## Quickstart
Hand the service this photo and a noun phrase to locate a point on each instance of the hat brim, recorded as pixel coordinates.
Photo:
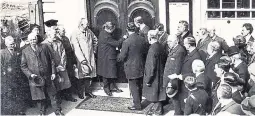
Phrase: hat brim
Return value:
(245, 103)
(38, 81)
(172, 95)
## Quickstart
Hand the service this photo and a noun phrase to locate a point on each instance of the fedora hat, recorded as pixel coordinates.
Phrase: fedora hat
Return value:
(170, 92)
(233, 50)
(38, 81)
(86, 69)
(248, 105)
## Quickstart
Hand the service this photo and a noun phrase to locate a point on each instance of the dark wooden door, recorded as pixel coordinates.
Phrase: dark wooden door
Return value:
(120, 12)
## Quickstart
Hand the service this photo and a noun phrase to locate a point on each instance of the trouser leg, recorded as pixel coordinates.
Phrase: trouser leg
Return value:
(135, 88)
(56, 101)
(107, 83)
(87, 84)
(81, 86)
(158, 108)
(177, 105)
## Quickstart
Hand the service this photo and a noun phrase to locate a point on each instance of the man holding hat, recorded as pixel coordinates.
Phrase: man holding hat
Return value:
(84, 43)
(37, 62)
(133, 53)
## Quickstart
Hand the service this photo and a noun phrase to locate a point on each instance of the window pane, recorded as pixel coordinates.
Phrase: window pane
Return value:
(228, 14)
(253, 14)
(243, 3)
(243, 14)
(253, 3)
(213, 3)
(228, 3)
(213, 14)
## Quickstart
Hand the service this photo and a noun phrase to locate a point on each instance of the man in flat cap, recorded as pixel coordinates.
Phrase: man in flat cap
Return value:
(133, 53)
(107, 57)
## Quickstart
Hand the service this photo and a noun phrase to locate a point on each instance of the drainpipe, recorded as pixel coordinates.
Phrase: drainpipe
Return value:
(41, 18)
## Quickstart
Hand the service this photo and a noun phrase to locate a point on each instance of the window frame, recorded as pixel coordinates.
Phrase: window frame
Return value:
(230, 9)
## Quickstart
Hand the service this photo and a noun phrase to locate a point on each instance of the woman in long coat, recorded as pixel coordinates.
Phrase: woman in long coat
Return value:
(84, 43)
(107, 56)
(153, 78)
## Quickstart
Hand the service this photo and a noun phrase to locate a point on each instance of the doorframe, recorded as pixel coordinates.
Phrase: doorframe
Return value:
(190, 14)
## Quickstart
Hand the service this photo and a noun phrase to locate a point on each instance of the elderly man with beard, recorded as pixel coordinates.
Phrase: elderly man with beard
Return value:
(107, 57)
(84, 43)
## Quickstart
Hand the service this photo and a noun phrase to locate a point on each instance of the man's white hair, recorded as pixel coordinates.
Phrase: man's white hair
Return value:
(172, 37)
(198, 66)
(8, 39)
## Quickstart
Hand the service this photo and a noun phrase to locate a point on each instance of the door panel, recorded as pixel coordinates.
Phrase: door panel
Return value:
(145, 15)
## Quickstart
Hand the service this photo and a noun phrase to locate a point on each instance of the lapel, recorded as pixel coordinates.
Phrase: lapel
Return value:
(32, 52)
(211, 59)
(251, 39)
(227, 106)
(185, 35)
(189, 56)
(202, 43)
(174, 50)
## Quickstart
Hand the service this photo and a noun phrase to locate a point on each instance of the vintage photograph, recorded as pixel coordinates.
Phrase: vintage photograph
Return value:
(127, 57)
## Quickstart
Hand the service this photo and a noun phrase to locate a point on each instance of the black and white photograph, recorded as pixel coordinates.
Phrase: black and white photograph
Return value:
(127, 57)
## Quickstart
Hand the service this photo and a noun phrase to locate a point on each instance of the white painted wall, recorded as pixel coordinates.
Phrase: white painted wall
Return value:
(69, 12)
(162, 12)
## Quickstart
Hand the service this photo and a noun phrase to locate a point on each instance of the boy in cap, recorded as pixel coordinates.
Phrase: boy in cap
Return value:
(197, 100)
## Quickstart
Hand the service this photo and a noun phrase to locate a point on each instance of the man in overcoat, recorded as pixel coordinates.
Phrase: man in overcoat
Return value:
(213, 57)
(13, 94)
(70, 61)
(133, 53)
(247, 30)
(59, 55)
(107, 57)
(143, 28)
(202, 44)
(37, 62)
(84, 43)
(193, 54)
(153, 89)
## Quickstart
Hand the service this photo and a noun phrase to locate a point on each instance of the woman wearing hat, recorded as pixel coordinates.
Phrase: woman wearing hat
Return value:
(107, 57)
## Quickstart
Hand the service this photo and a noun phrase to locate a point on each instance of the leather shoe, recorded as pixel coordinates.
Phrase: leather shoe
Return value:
(59, 113)
(90, 95)
(109, 93)
(81, 96)
(71, 99)
(117, 90)
(134, 108)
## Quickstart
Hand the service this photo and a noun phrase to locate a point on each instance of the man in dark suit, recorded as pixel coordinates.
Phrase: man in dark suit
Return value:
(204, 40)
(247, 30)
(143, 28)
(239, 66)
(133, 53)
(223, 44)
(193, 54)
(174, 63)
(213, 57)
(183, 31)
(153, 75)
(37, 62)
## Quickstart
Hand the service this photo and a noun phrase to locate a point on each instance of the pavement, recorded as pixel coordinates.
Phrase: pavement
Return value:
(68, 108)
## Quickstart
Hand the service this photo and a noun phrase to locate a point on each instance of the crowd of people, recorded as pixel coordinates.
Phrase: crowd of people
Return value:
(205, 77)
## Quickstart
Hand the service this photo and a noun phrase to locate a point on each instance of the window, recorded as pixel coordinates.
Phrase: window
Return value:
(233, 9)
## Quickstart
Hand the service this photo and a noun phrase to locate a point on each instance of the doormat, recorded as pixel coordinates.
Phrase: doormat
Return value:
(116, 104)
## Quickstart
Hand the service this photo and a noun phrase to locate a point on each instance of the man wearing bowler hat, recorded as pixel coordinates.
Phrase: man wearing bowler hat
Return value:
(37, 62)
(239, 66)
